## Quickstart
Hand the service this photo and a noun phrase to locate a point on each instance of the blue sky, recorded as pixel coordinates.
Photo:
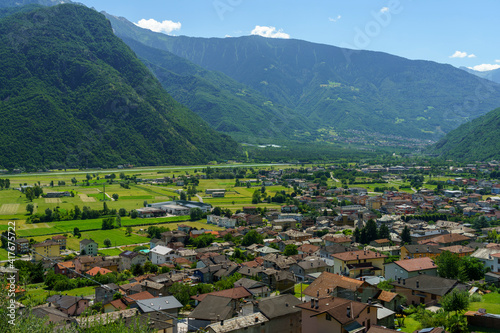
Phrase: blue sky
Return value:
(460, 32)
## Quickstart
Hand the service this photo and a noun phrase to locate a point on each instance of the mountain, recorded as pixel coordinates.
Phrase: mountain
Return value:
(72, 94)
(477, 140)
(227, 105)
(337, 89)
(493, 75)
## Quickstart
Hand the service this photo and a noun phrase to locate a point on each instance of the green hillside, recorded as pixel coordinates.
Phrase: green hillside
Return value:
(72, 94)
(334, 87)
(478, 140)
(226, 104)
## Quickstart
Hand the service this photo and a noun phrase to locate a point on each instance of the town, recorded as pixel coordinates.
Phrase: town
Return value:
(276, 248)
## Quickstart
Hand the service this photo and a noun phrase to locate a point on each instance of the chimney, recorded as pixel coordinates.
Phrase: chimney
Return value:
(358, 299)
(256, 319)
(222, 322)
(317, 293)
(418, 284)
(317, 304)
(370, 300)
(349, 312)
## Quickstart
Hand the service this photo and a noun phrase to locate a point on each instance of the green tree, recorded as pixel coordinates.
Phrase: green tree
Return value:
(30, 193)
(76, 232)
(252, 237)
(405, 235)
(290, 250)
(107, 242)
(183, 195)
(115, 196)
(118, 221)
(471, 269)
(134, 214)
(30, 208)
(456, 300)
(74, 181)
(371, 231)
(122, 211)
(383, 232)
(128, 231)
(195, 214)
(448, 265)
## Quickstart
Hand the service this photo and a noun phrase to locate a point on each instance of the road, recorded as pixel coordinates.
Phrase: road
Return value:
(199, 197)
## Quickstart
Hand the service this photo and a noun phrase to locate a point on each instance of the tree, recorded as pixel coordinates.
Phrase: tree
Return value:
(107, 242)
(128, 231)
(122, 211)
(48, 214)
(30, 194)
(252, 237)
(357, 235)
(118, 221)
(134, 214)
(371, 231)
(448, 265)
(115, 196)
(195, 214)
(137, 270)
(30, 208)
(456, 300)
(383, 232)
(290, 250)
(405, 235)
(183, 195)
(74, 181)
(108, 223)
(76, 232)
(470, 269)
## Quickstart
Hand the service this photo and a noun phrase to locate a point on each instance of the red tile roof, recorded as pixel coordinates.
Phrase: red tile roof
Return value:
(386, 296)
(327, 282)
(100, 270)
(138, 297)
(417, 264)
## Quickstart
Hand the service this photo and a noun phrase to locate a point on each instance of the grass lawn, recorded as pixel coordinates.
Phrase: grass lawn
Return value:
(297, 289)
(411, 325)
(490, 302)
(110, 252)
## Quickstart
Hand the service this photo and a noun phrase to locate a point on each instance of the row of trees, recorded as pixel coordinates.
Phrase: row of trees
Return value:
(370, 232)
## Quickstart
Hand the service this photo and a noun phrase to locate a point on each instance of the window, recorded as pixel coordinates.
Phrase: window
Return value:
(368, 310)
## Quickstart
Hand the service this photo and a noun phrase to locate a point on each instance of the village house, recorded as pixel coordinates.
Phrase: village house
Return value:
(88, 247)
(409, 268)
(420, 251)
(425, 289)
(45, 249)
(337, 315)
(129, 258)
(70, 305)
(359, 263)
(61, 240)
(161, 255)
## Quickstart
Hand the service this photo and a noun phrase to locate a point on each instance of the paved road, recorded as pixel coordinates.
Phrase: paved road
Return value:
(199, 197)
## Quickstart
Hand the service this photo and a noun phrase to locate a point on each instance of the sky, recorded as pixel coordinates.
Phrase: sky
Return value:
(460, 32)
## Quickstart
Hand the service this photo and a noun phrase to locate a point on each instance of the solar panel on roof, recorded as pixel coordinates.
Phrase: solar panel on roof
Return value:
(128, 252)
(426, 330)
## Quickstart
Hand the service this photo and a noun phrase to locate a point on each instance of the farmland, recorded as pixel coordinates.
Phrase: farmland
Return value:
(93, 189)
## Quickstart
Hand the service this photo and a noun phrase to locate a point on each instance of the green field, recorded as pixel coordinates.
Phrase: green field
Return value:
(490, 302)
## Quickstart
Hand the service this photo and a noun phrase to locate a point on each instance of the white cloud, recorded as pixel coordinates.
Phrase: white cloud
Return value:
(498, 60)
(228, 36)
(472, 55)
(485, 67)
(166, 26)
(384, 9)
(459, 54)
(269, 32)
(335, 19)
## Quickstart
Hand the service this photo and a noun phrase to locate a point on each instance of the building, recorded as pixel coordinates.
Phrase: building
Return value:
(61, 240)
(409, 268)
(358, 263)
(282, 312)
(45, 249)
(420, 251)
(161, 255)
(129, 258)
(70, 305)
(251, 323)
(337, 315)
(88, 247)
(168, 305)
(22, 246)
(425, 289)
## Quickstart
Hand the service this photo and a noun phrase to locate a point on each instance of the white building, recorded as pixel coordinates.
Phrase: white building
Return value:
(161, 254)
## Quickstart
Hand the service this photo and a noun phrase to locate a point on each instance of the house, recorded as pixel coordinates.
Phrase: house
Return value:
(213, 309)
(70, 305)
(116, 305)
(161, 254)
(168, 305)
(307, 266)
(61, 240)
(65, 268)
(147, 212)
(235, 293)
(486, 256)
(337, 240)
(410, 267)
(359, 263)
(22, 246)
(98, 270)
(129, 258)
(339, 315)
(45, 249)
(84, 263)
(329, 284)
(282, 312)
(131, 300)
(425, 289)
(54, 316)
(312, 250)
(88, 247)
(251, 323)
(419, 251)
(459, 250)
(154, 288)
(447, 240)
(257, 288)
(380, 242)
(389, 300)
(105, 293)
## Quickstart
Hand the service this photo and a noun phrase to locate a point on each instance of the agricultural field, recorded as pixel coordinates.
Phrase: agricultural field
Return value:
(13, 203)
